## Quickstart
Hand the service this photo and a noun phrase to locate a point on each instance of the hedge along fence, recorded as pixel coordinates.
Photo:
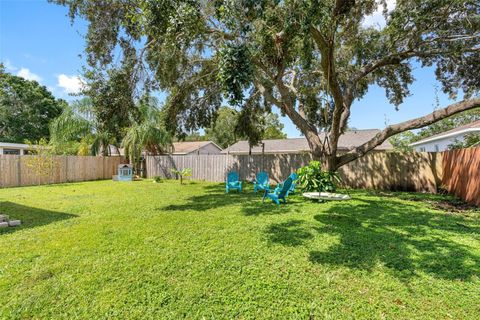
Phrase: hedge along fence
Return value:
(461, 173)
(16, 171)
(376, 170)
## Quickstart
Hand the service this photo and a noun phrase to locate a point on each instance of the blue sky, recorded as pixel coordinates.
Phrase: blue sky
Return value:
(38, 41)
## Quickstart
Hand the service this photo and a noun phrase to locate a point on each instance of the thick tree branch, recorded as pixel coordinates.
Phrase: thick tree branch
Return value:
(407, 125)
(309, 130)
(397, 58)
(392, 59)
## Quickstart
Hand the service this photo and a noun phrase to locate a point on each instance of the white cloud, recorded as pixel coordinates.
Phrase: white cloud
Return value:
(9, 66)
(27, 74)
(377, 20)
(70, 84)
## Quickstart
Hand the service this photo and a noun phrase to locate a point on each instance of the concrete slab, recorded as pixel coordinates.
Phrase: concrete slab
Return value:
(13, 223)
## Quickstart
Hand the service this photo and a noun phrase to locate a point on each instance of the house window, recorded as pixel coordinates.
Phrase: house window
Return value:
(422, 149)
(437, 148)
(11, 151)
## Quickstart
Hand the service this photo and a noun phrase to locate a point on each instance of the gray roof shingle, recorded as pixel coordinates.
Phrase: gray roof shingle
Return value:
(347, 141)
(184, 147)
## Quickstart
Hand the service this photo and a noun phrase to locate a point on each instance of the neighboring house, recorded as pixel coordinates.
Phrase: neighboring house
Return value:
(441, 141)
(195, 147)
(347, 141)
(19, 149)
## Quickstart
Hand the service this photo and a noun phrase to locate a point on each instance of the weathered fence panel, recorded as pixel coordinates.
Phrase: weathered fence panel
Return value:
(394, 171)
(461, 173)
(15, 171)
(377, 170)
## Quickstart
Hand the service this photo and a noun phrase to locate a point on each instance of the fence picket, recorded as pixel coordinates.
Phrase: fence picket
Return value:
(14, 171)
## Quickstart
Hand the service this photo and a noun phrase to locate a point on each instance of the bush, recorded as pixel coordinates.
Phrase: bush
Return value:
(157, 179)
(313, 178)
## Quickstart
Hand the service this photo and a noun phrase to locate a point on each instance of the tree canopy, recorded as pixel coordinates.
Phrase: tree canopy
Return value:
(26, 108)
(312, 59)
(226, 129)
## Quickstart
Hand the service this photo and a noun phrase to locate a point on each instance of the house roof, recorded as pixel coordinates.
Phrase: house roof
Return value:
(471, 127)
(347, 141)
(190, 146)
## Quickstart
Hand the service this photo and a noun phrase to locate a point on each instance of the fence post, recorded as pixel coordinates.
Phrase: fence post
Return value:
(19, 170)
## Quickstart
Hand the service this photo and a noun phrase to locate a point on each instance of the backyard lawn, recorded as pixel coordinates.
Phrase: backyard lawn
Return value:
(142, 250)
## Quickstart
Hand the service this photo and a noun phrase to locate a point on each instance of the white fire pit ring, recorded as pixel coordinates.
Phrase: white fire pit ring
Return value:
(326, 196)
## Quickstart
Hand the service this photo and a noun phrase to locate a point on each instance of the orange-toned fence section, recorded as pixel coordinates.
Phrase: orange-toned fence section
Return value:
(461, 173)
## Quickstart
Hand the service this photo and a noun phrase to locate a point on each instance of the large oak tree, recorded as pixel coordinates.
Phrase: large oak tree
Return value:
(26, 108)
(312, 59)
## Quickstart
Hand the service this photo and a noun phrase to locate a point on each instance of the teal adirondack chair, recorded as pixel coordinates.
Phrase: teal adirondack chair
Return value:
(261, 182)
(276, 197)
(294, 177)
(232, 182)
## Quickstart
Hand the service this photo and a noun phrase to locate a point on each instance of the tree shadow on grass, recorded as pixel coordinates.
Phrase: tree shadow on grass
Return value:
(30, 217)
(214, 197)
(289, 233)
(405, 238)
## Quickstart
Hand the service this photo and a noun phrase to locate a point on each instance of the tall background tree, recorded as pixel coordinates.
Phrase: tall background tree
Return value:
(81, 130)
(312, 59)
(26, 108)
(77, 131)
(225, 130)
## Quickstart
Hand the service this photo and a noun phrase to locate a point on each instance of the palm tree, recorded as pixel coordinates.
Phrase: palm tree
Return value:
(76, 127)
(146, 135)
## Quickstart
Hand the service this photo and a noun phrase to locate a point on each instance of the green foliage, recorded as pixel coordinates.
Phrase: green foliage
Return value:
(183, 173)
(40, 160)
(401, 142)
(449, 123)
(78, 127)
(145, 250)
(311, 59)
(72, 129)
(235, 71)
(313, 178)
(157, 179)
(195, 136)
(470, 140)
(112, 99)
(223, 131)
(273, 127)
(26, 108)
(146, 136)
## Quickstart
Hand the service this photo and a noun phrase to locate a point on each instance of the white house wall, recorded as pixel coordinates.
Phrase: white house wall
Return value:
(439, 144)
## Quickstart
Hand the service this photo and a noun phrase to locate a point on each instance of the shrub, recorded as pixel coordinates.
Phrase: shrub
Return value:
(157, 179)
(313, 178)
(186, 172)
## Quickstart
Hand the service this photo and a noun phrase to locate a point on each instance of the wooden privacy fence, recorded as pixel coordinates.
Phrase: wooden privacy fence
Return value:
(15, 170)
(377, 170)
(461, 173)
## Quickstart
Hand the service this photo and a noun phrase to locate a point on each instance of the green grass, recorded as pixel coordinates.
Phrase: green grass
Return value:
(147, 251)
